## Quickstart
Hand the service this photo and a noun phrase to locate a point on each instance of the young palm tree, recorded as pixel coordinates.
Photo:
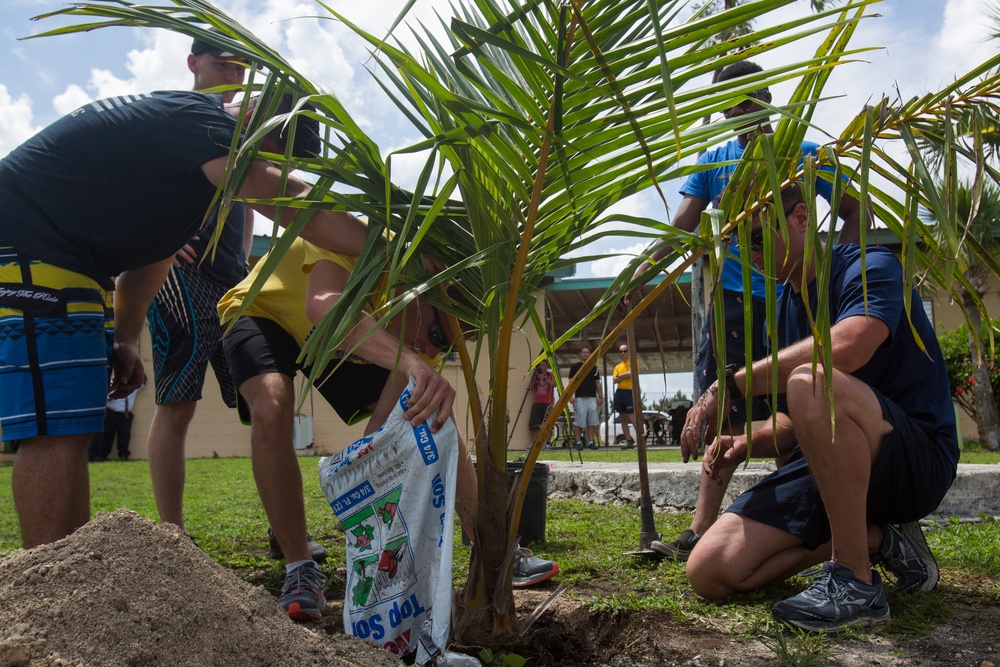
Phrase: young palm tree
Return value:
(536, 118)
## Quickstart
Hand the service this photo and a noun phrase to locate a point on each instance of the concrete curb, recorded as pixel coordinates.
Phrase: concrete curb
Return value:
(673, 487)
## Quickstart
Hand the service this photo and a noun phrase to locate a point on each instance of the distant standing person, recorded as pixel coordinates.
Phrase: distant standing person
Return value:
(623, 394)
(543, 385)
(117, 422)
(586, 400)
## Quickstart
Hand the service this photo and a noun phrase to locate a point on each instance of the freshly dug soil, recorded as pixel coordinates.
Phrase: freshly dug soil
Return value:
(125, 591)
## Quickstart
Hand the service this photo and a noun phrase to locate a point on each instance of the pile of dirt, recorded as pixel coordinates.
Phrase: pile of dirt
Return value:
(123, 590)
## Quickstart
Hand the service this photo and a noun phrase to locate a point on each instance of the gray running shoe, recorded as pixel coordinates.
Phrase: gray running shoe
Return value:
(316, 550)
(905, 553)
(833, 601)
(680, 549)
(302, 594)
(529, 570)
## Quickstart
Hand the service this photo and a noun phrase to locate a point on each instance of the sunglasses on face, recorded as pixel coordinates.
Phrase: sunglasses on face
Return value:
(435, 333)
(622, 351)
(757, 235)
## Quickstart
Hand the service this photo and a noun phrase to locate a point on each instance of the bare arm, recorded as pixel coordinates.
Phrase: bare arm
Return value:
(729, 451)
(854, 339)
(333, 230)
(382, 348)
(850, 212)
(134, 292)
(248, 234)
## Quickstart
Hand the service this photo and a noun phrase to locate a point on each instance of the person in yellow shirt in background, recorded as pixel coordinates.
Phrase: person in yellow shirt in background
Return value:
(623, 394)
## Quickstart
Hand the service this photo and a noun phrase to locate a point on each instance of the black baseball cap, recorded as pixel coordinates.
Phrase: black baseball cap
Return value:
(199, 46)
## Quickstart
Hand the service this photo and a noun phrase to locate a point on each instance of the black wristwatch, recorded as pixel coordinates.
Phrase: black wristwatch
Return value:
(734, 392)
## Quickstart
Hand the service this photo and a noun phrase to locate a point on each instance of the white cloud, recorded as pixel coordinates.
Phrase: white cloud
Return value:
(16, 120)
(616, 260)
(964, 37)
(160, 65)
(70, 99)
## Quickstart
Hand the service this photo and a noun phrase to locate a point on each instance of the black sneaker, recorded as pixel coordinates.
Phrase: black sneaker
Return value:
(316, 550)
(680, 549)
(579, 446)
(591, 445)
(302, 593)
(833, 601)
(905, 553)
(529, 570)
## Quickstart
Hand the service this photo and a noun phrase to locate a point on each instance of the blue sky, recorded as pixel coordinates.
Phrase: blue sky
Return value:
(926, 43)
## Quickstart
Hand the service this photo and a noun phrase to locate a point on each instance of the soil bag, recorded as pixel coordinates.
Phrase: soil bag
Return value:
(394, 494)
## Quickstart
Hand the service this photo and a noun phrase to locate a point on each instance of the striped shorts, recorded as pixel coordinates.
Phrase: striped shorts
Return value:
(54, 350)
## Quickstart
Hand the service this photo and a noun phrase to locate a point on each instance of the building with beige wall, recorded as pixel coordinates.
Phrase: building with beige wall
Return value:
(217, 431)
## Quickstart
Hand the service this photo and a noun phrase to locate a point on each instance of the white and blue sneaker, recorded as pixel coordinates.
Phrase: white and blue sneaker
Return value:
(835, 600)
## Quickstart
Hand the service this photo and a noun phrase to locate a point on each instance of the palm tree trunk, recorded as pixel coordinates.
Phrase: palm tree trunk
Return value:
(987, 415)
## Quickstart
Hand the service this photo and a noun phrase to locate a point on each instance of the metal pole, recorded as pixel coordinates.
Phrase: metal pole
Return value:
(648, 533)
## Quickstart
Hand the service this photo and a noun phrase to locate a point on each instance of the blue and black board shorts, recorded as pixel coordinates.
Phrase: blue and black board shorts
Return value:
(54, 349)
(187, 337)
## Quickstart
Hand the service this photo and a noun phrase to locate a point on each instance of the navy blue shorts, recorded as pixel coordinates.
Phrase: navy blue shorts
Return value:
(623, 401)
(257, 345)
(705, 365)
(910, 479)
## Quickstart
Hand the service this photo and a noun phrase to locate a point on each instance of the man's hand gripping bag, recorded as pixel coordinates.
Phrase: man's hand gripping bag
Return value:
(394, 493)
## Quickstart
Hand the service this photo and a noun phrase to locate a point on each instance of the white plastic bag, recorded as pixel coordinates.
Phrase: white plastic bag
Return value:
(394, 494)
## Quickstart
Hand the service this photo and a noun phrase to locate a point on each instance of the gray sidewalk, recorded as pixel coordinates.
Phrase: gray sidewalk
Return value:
(674, 486)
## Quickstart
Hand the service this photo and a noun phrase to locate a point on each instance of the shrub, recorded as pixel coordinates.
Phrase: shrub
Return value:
(958, 360)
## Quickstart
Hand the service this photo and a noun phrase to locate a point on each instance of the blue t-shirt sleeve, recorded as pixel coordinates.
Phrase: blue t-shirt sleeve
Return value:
(823, 188)
(697, 184)
(884, 277)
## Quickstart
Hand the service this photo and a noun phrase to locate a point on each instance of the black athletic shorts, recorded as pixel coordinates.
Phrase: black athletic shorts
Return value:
(910, 479)
(705, 364)
(538, 414)
(184, 327)
(257, 345)
(623, 401)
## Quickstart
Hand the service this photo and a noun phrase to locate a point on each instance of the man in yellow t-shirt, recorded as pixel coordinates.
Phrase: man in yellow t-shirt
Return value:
(623, 394)
(262, 349)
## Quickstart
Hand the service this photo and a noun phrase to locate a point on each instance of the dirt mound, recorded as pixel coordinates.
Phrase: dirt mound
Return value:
(123, 590)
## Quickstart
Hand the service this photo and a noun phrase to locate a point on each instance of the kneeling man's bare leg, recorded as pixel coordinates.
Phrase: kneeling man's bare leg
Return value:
(738, 554)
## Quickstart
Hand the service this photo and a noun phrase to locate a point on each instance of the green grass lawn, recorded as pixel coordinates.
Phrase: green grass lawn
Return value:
(225, 518)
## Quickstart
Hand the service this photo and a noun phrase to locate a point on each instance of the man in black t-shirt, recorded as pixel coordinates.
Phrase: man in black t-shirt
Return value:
(586, 400)
(115, 188)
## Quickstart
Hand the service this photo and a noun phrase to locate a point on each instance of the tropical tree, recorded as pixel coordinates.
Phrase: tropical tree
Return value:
(536, 118)
(981, 213)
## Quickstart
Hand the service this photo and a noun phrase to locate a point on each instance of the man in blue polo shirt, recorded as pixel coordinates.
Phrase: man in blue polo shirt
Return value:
(851, 490)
